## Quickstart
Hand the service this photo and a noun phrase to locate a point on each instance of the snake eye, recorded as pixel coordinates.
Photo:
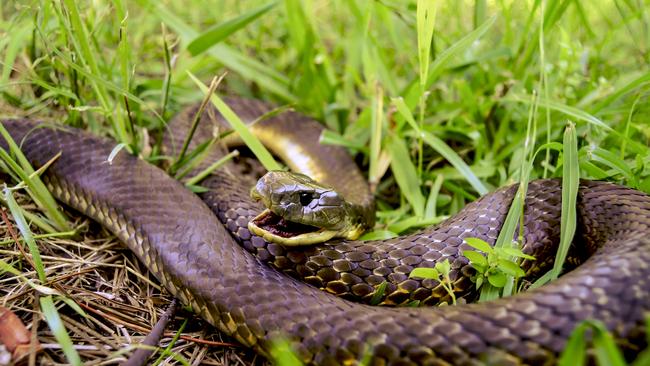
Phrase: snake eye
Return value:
(305, 198)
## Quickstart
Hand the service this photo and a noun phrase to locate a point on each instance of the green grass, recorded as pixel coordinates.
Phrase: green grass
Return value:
(441, 101)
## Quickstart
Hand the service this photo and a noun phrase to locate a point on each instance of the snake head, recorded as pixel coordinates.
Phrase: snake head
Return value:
(300, 211)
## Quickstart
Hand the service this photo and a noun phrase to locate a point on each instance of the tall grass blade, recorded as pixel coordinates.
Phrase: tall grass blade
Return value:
(455, 160)
(441, 147)
(376, 133)
(413, 94)
(38, 221)
(168, 350)
(15, 43)
(221, 31)
(405, 173)
(58, 329)
(432, 200)
(426, 20)
(195, 123)
(563, 108)
(260, 152)
(23, 226)
(619, 92)
(167, 58)
(570, 183)
(214, 166)
(613, 161)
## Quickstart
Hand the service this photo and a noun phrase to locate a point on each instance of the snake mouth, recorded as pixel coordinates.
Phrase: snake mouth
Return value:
(274, 228)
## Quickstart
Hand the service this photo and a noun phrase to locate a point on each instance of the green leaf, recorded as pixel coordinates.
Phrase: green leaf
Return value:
(221, 31)
(497, 279)
(441, 147)
(197, 189)
(329, 137)
(168, 351)
(475, 258)
(443, 267)
(511, 268)
(405, 112)
(505, 236)
(479, 281)
(105, 84)
(514, 252)
(214, 166)
(479, 244)
(90, 62)
(425, 272)
(6, 267)
(607, 353)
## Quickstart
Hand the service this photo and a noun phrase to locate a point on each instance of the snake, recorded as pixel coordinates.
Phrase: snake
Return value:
(244, 291)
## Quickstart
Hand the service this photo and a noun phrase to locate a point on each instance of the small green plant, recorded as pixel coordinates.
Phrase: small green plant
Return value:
(440, 273)
(494, 264)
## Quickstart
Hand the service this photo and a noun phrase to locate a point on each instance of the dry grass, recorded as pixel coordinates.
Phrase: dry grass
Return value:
(121, 299)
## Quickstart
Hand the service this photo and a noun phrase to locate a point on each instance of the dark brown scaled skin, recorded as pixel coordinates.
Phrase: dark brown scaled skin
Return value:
(353, 269)
(183, 244)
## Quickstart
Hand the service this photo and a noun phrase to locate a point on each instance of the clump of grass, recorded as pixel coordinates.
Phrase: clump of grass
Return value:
(605, 349)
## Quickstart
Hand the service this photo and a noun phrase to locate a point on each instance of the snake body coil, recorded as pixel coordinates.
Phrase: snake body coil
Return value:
(189, 251)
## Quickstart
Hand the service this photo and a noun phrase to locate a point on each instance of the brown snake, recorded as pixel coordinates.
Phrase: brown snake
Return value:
(195, 257)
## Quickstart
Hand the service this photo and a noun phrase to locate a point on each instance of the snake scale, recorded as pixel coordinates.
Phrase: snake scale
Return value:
(185, 246)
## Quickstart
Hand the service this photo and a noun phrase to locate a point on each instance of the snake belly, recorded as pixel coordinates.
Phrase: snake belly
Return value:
(183, 244)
